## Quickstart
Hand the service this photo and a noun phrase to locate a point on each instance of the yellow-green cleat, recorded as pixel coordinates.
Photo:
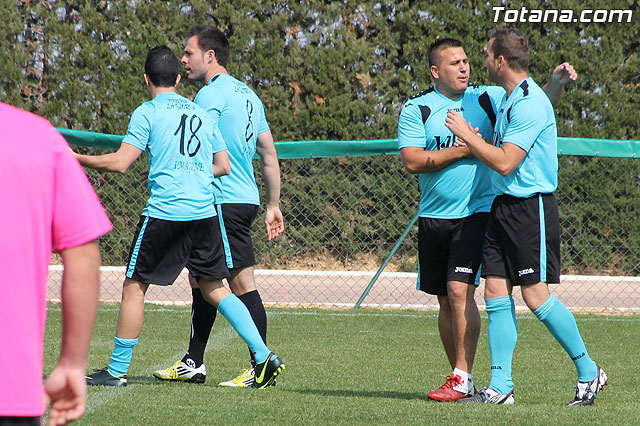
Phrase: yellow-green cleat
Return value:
(244, 380)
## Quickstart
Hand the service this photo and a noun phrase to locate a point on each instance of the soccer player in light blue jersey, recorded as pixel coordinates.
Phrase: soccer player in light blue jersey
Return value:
(522, 242)
(239, 114)
(178, 226)
(456, 196)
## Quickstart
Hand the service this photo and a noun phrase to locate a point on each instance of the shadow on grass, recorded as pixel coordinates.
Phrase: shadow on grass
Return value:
(150, 380)
(366, 394)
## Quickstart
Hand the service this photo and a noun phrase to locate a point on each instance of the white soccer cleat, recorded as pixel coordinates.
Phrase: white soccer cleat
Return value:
(181, 372)
(489, 396)
(586, 392)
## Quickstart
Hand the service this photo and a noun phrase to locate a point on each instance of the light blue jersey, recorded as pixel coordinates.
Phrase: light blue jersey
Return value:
(180, 140)
(526, 119)
(239, 114)
(464, 187)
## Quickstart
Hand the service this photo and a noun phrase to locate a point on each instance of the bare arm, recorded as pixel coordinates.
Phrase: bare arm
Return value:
(560, 76)
(503, 159)
(221, 165)
(419, 160)
(66, 386)
(118, 161)
(266, 149)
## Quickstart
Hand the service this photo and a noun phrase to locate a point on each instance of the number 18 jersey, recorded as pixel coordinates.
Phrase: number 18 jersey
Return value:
(463, 187)
(180, 140)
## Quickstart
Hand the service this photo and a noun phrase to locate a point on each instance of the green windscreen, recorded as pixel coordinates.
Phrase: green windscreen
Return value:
(317, 149)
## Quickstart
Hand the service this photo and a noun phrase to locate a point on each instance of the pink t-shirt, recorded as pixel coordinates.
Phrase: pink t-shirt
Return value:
(46, 201)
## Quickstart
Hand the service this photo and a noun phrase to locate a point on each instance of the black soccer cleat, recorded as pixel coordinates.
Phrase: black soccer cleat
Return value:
(105, 378)
(266, 371)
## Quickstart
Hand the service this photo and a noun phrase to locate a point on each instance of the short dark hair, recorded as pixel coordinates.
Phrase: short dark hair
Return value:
(162, 67)
(212, 38)
(439, 45)
(512, 45)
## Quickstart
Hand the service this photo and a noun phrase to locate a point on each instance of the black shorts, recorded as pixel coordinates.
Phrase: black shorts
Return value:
(522, 242)
(235, 228)
(449, 250)
(162, 248)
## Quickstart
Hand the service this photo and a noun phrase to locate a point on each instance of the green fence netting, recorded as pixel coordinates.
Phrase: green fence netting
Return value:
(348, 203)
(320, 149)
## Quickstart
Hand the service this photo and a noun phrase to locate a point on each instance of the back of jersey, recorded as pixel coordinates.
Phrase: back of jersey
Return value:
(180, 140)
(241, 118)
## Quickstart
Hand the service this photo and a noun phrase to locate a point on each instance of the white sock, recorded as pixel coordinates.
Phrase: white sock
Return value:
(467, 380)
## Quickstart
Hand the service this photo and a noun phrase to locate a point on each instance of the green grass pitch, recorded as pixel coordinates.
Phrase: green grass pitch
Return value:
(353, 368)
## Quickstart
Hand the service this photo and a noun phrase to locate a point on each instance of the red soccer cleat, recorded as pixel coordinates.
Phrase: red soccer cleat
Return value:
(452, 390)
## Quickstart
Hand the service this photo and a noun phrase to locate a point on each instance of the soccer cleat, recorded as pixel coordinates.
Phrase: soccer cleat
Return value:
(244, 380)
(181, 372)
(586, 392)
(105, 378)
(489, 396)
(452, 390)
(265, 372)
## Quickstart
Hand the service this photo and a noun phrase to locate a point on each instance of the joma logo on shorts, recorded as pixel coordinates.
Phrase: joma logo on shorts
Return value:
(463, 270)
(525, 272)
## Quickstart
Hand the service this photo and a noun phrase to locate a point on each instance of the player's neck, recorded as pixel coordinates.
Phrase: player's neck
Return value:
(446, 92)
(512, 79)
(215, 70)
(155, 91)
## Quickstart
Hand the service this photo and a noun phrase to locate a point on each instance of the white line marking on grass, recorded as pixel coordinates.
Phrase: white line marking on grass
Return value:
(612, 317)
(279, 272)
(427, 315)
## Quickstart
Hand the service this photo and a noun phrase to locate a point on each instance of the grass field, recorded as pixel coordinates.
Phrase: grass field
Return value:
(353, 368)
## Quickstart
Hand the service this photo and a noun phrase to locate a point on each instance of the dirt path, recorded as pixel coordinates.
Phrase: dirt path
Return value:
(392, 290)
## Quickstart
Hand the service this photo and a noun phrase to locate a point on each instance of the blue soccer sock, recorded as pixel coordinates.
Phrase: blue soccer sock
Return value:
(503, 335)
(121, 356)
(562, 325)
(238, 316)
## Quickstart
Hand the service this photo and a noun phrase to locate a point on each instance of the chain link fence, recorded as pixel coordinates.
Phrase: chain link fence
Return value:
(343, 216)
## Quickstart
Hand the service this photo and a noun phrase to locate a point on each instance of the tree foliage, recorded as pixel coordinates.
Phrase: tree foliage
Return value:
(337, 70)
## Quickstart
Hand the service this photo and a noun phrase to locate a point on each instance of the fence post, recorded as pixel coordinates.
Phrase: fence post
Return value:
(386, 261)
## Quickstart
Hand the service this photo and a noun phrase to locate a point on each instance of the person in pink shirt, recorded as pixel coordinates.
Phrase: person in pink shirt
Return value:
(46, 203)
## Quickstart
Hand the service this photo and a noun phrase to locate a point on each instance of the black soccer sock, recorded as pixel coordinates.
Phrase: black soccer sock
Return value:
(203, 315)
(253, 302)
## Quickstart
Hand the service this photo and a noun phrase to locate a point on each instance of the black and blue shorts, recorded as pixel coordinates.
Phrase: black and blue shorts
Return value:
(522, 242)
(162, 248)
(235, 227)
